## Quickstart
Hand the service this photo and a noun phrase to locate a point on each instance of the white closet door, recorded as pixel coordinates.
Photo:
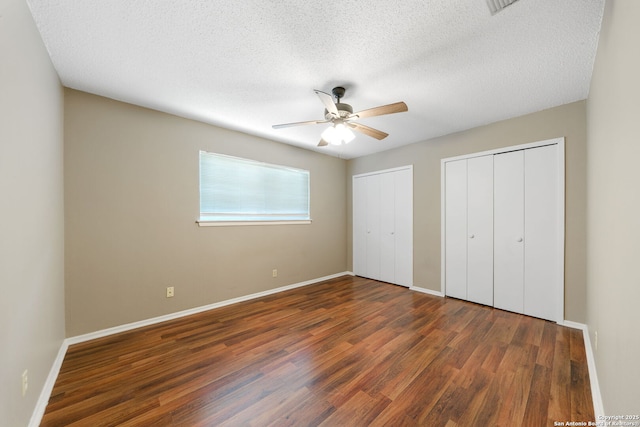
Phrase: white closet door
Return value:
(480, 230)
(456, 229)
(541, 261)
(404, 227)
(387, 228)
(373, 204)
(360, 226)
(509, 231)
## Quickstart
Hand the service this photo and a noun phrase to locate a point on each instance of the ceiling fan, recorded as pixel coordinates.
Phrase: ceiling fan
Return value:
(342, 118)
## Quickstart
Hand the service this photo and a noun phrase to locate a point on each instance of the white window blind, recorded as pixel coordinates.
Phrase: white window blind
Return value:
(234, 189)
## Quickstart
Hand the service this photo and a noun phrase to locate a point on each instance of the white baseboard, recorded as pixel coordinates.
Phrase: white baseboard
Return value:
(596, 396)
(573, 325)
(135, 325)
(427, 291)
(45, 394)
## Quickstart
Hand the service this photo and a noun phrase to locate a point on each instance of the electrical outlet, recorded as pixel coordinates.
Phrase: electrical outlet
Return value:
(275, 272)
(170, 292)
(25, 382)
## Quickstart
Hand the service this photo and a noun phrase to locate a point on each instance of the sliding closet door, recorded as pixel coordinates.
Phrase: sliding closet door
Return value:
(456, 229)
(509, 231)
(480, 230)
(542, 252)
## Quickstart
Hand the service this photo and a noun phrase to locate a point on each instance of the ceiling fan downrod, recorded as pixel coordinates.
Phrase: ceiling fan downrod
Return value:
(338, 92)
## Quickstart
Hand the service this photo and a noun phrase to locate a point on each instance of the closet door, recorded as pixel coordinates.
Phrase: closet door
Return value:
(403, 229)
(387, 228)
(359, 213)
(456, 229)
(509, 231)
(383, 226)
(373, 206)
(542, 252)
(480, 230)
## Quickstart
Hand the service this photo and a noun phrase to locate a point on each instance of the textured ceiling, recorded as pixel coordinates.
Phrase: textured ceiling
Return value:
(251, 64)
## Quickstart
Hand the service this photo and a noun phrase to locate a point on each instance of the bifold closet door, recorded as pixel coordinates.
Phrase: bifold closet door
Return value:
(456, 229)
(387, 228)
(383, 226)
(480, 230)
(509, 242)
(527, 250)
(373, 215)
(542, 251)
(359, 214)
(469, 229)
(399, 227)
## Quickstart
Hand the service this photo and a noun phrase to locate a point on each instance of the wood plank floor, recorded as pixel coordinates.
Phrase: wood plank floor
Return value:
(345, 352)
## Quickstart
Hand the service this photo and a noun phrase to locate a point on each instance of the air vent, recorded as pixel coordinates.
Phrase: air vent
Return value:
(496, 6)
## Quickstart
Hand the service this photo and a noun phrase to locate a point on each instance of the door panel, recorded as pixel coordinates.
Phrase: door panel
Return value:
(404, 227)
(360, 226)
(456, 229)
(387, 228)
(541, 261)
(373, 227)
(480, 230)
(509, 231)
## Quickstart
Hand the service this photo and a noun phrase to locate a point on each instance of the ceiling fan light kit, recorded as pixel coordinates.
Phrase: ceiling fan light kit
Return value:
(338, 134)
(342, 117)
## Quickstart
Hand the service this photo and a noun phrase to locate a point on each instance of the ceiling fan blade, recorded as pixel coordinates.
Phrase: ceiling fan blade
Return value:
(374, 133)
(322, 143)
(327, 100)
(397, 107)
(310, 122)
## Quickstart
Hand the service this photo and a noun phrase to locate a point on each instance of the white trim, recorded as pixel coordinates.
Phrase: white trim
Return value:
(426, 291)
(205, 223)
(45, 394)
(596, 396)
(47, 388)
(573, 325)
(526, 146)
(399, 168)
(443, 234)
(129, 326)
(561, 209)
(561, 229)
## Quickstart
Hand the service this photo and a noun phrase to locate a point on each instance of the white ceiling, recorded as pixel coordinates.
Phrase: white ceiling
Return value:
(247, 65)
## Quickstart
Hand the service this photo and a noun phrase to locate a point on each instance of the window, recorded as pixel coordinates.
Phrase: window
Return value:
(242, 191)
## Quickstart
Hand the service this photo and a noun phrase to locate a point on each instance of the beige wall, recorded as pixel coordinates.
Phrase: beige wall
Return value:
(613, 114)
(132, 198)
(31, 213)
(567, 121)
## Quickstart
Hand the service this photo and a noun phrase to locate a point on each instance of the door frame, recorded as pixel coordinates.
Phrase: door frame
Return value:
(560, 142)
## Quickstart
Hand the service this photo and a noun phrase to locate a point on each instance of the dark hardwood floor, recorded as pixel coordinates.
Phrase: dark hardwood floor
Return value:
(345, 352)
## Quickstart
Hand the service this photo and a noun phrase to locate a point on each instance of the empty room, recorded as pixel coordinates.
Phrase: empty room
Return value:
(333, 213)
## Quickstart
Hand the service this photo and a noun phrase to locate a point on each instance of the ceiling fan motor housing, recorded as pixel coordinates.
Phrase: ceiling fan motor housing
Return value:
(344, 110)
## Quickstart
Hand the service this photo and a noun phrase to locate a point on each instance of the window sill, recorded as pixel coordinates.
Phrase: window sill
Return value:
(204, 223)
